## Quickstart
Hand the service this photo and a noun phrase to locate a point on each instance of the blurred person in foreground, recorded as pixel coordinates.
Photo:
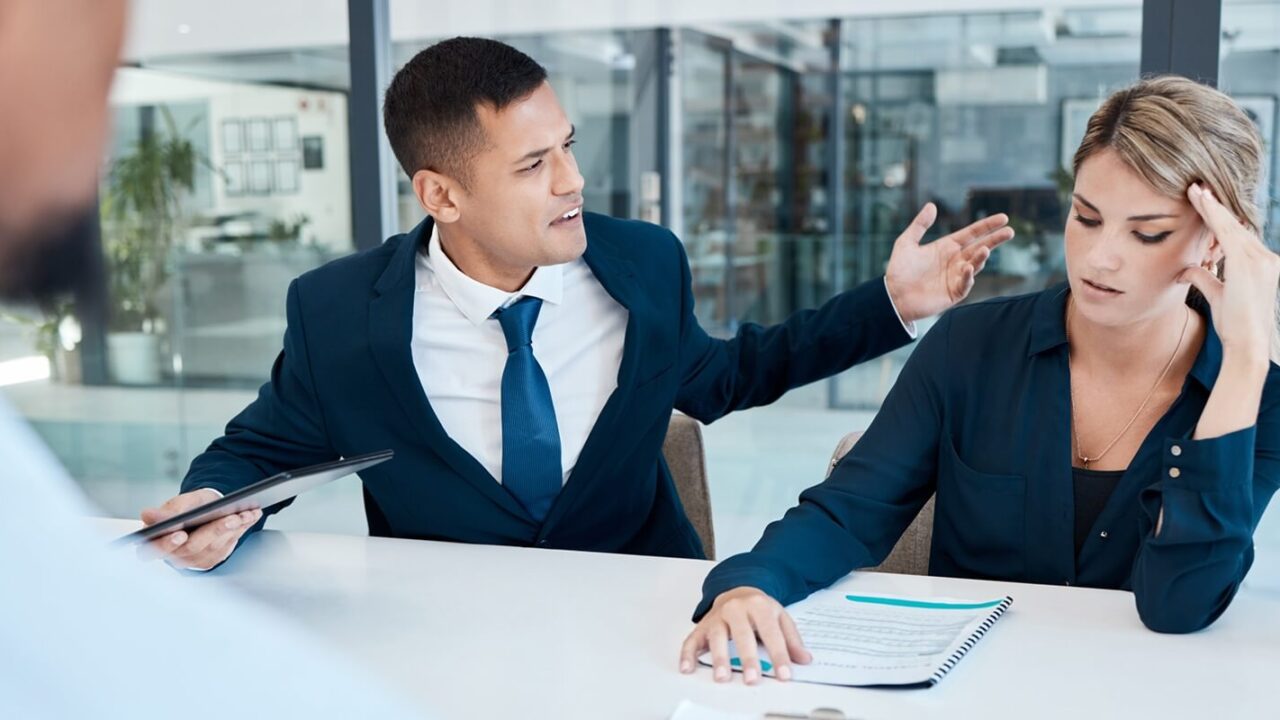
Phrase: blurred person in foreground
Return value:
(84, 631)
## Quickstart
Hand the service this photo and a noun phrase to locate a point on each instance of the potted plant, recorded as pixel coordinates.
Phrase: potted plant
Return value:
(142, 211)
(287, 231)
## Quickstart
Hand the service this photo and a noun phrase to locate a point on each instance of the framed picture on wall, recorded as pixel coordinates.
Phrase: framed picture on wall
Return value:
(1261, 109)
(259, 139)
(312, 152)
(233, 175)
(286, 176)
(1075, 120)
(260, 177)
(232, 136)
(285, 132)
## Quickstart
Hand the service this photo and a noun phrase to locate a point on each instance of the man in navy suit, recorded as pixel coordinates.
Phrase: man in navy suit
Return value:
(523, 357)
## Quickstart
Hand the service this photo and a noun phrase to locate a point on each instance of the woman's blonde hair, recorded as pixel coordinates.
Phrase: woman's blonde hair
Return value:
(1174, 132)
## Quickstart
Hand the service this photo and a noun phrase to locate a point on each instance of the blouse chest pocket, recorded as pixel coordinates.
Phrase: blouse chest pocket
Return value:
(980, 519)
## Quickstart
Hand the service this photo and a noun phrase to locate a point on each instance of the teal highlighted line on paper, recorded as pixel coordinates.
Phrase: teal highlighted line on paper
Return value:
(765, 665)
(927, 604)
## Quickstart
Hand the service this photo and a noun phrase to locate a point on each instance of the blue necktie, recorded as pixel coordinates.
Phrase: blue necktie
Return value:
(530, 438)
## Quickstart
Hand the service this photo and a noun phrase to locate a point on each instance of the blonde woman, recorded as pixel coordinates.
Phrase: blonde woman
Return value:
(1119, 431)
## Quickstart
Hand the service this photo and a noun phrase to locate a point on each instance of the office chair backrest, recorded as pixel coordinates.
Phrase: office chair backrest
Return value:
(688, 463)
(910, 556)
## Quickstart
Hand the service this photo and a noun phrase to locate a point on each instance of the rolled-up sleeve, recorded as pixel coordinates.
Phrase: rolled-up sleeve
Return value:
(1212, 493)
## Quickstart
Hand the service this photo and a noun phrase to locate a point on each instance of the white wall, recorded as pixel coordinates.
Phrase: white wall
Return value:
(323, 195)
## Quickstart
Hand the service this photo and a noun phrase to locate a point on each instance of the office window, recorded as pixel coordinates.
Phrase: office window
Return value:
(1250, 73)
(979, 113)
(754, 212)
(976, 110)
(225, 177)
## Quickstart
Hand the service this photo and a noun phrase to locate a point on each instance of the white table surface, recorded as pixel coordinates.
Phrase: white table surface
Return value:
(478, 631)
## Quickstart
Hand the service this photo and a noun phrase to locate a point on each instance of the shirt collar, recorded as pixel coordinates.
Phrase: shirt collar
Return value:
(1049, 331)
(1048, 320)
(478, 301)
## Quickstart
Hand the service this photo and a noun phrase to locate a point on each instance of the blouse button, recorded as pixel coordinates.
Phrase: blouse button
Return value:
(1103, 534)
(1176, 450)
(1174, 472)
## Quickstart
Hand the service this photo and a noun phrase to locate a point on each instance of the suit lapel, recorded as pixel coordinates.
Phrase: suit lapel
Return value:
(616, 274)
(390, 335)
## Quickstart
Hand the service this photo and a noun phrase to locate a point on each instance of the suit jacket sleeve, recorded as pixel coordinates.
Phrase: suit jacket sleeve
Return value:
(283, 429)
(760, 364)
(855, 516)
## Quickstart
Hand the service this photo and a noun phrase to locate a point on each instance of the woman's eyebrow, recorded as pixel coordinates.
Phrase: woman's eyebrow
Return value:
(1133, 218)
(1086, 203)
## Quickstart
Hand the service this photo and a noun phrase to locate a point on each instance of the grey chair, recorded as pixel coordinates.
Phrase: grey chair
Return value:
(910, 556)
(688, 463)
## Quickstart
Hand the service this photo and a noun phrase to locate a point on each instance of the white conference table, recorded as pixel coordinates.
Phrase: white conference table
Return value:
(476, 631)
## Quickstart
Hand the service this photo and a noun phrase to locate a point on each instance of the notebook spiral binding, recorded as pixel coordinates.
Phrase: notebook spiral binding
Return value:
(971, 641)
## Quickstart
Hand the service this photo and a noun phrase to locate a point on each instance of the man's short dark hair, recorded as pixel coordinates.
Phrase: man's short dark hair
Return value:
(430, 107)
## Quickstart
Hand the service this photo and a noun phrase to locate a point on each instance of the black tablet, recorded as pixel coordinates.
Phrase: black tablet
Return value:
(261, 494)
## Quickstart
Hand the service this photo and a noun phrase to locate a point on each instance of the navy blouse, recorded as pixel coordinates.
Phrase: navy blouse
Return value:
(981, 415)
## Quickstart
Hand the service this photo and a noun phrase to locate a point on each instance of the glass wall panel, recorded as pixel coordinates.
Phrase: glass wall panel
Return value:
(975, 110)
(226, 176)
(755, 102)
(1250, 73)
(979, 113)
(704, 64)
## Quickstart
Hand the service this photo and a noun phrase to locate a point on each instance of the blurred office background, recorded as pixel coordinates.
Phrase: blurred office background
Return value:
(787, 144)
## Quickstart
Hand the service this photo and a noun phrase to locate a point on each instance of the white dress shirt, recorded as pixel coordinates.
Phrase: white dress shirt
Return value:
(460, 352)
(910, 327)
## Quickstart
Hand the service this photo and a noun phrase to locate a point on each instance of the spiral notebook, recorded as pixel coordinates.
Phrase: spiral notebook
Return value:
(865, 640)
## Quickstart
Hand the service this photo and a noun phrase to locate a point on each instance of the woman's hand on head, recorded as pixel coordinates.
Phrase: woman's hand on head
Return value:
(1243, 305)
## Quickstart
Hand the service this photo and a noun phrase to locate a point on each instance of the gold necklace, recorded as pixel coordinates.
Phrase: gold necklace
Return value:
(1075, 433)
